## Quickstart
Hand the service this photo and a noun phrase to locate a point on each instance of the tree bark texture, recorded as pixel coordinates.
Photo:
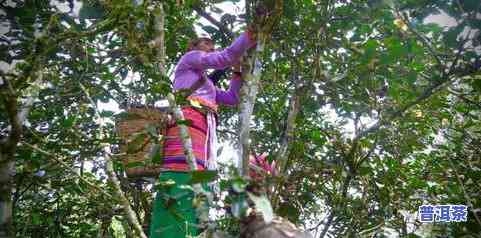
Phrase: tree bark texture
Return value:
(294, 107)
(278, 228)
(7, 169)
(249, 92)
(124, 202)
(252, 67)
(159, 41)
(131, 216)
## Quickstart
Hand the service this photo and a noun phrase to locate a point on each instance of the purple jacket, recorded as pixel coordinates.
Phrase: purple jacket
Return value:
(192, 67)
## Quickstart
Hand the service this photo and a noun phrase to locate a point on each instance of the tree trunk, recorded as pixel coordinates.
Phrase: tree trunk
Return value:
(256, 227)
(248, 98)
(6, 186)
(8, 147)
(129, 212)
(252, 70)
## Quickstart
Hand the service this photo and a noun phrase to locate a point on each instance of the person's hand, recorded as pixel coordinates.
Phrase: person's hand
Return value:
(236, 68)
(261, 11)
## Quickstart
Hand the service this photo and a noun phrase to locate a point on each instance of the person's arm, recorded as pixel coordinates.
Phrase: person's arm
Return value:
(231, 96)
(201, 60)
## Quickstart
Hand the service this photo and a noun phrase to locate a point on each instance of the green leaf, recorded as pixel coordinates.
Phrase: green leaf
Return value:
(396, 49)
(239, 206)
(370, 49)
(289, 211)
(477, 85)
(470, 4)
(239, 185)
(106, 113)
(91, 50)
(134, 164)
(186, 122)
(118, 165)
(36, 219)
(317, 138)
(263, 205)
(69, 121)
(433, 27)
(156, 154)
(128, 116)
(203, 176)
(219, 150)
(451, 37)
(137, 143)
(209, 29)
(411, 77)
(216, 10)
(365, 169)
(91, 11)
(152, 130)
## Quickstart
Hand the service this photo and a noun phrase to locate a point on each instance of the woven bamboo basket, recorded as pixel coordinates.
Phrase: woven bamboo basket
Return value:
(135, 122)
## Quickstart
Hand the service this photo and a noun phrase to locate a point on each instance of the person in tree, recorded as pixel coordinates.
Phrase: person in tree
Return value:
(173, 212)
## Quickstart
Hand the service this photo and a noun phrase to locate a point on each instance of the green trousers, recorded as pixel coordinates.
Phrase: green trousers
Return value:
(173, 214)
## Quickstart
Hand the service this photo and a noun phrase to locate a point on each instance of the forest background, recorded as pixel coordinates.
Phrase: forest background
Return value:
(370, 107)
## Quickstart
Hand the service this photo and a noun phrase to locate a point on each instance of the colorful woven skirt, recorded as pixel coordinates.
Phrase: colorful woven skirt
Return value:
(174, 158)
(173, 213)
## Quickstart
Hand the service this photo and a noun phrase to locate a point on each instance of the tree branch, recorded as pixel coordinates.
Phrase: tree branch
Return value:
(159, 41)
(282, 154)
(9, 99)
(251, 76)
(345, 187)
(328, 224)
(423, 40)
(8, 148)
(463, 189)
(129, 212)
(131, 215)
(294, 107)
(223, 28)
(66, 166)
(249, 92)
(426, 94)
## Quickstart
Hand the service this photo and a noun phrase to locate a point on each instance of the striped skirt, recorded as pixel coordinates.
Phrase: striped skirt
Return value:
(174, 158)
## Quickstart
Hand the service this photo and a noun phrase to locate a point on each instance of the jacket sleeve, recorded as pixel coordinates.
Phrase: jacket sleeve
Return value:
(231, 96)
(201, 60)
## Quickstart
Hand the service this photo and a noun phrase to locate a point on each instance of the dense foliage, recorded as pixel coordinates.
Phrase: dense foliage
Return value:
(388, 107)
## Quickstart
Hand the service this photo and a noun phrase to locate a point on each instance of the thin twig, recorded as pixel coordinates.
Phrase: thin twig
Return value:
(422, 39)
(66, 166)
(282, 155)
(223, 28)
(466, 196)
(131, 215)
(328, 224)
(399, 113)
